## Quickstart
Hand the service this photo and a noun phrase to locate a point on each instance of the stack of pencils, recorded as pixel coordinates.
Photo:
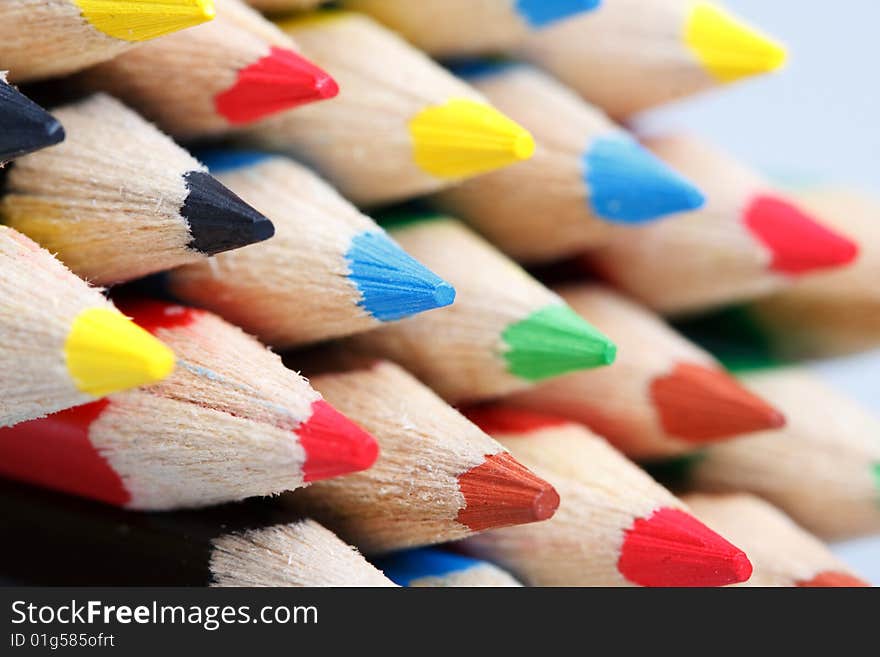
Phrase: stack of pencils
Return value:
(433, 211)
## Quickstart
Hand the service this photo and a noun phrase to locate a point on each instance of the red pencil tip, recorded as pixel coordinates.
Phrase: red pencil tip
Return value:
(798, 243)
(279, 81)
(499, 419)
(672, 548)
(831, 578)
(334, 444)
(501, 492)
(702, 404)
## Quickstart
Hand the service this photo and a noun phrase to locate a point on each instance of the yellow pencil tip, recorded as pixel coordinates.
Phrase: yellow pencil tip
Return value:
(141, 20)
(106, 352)
(729, 48)
(464, 138)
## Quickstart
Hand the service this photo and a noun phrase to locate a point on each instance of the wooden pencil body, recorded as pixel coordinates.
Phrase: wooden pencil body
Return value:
(627, 56)
(294, 288)
(821, 469)
(782, 553)
(361, 140)
(39, 301)
(459, 351)
(60, 540)
(537, 210)
(280, 6)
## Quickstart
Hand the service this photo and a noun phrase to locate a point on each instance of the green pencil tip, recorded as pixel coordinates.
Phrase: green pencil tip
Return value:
(553, 341)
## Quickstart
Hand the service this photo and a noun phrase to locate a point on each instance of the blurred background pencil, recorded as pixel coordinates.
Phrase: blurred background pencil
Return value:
(401, 126)
(615, 525)
(747, 241)
(235, 70)
(57, 540)
(438, 477)
(586, 176)
(433, 568)
(822, 469)
(231, 422)
(329, 270)
(505, 330)
(782, 554)
(118, 199)
(61, 342)
(40, 39)
(663, 395)
(631, 55)
(281, 6)
(24, 126)
(453, 28)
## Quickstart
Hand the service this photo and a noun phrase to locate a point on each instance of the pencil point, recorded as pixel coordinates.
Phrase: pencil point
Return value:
(218, 219)
(279, 81)
(672, 548)
(502, 492)
(27, 127)
(541, 13)
(628, 184)
(729, 48)
(334, 445)
(700, 404)
(553, 341)
(464, 138)
(106, 353)
(831, 578)
(798, 243)
(141, 20)
(393, 285)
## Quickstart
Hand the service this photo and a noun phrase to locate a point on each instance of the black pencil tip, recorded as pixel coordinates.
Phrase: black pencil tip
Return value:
(24, 126)
(218, 219)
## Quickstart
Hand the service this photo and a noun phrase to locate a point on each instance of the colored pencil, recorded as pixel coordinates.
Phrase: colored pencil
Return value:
(118, 199)
(615, 525)
(822, 469)
(57, 540)
(431, 567)
(835, 312)
(437, 478)
(663, 395)
(453, 28)
(632, 55)
(61, 342)
(401, 126)
(504, 332)
(281, 6)
(235, 70)
(231, 422)
(781, 553)
(747, 241)
(40, 39)
(25, 127)
(586, 177)
(329, 271)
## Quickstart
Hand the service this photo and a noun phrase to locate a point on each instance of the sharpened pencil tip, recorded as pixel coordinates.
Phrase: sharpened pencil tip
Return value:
(702, 404)
(628, 184)
(728, 48)
(334, 445)
(393, 285)
(503, 492)
(281, 80)
(552, 341)
(218, 219)
(831, 578)
(672, 548)
(26, 127)
(543, 13)
(106, 353)
(141, 20)
(464, 138)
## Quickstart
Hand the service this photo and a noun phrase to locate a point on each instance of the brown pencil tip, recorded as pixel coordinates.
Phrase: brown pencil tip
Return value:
(702, 404)
(833, 578)
(501, 492)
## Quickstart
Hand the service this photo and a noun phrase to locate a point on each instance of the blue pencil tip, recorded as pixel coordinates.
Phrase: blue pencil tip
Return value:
(219, 160)
(405, 567)
(393, 285)
(628, 184)
(541, 13)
